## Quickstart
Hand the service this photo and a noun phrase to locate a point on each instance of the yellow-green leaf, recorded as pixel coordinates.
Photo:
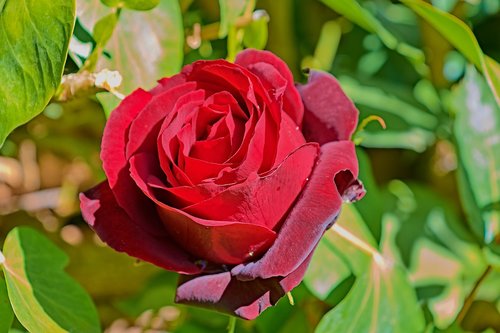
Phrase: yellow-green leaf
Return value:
(34, 39)
(44, 298)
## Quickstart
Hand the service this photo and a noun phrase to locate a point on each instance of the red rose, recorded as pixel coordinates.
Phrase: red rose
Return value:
(228, 174)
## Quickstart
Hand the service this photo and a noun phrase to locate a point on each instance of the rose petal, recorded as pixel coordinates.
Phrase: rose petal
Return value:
(146, 126)
(329, 114)
(115, 163)
(314, 212)
(222, 242)
(225, 293)
(112, 224)
(254, 60)
(263, 200)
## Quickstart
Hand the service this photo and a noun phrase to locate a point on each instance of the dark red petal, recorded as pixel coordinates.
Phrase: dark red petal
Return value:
(144, 129)
(115, 134)
(223, 242)
(115, 163)
(225, 293)
(263, 200)
(112, 224)
(329, 114)
(251, 59)
(314, 212)
(289, 138)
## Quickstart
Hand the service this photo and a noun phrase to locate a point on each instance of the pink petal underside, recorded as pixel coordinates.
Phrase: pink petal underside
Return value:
(329, 114)
(114, 226)
(222, 242)
(225, 293)
(261, 200)
(314, 212)
(257, 61)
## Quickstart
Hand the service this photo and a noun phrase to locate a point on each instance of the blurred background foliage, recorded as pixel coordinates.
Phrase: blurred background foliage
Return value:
(420, 253)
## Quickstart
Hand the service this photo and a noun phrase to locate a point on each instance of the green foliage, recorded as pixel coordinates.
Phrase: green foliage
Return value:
(477, 129)
(381, 300)
(230, 10)
(354, 12)
(461, 37)
(43, 297)
(256, 32)
(33, 49)
(132, 4)
(140, 63)
(6, 314)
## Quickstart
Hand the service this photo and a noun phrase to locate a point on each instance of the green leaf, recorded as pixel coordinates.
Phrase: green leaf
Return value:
(477, 128)
(256, 32)
(230, 10)
(108, 101)
(335, 251)
(144, 47)
(462, 38)
(381, 300)
(132, 4)
(353, 11)
(43, 296)
(6, 314)
(34, 39)
(408, 126)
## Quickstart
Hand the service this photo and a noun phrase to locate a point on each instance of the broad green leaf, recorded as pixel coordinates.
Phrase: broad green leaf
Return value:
(43, 296)
(381, 300)
(353, 11)
(335, 251)
(477, 128)
(432, 243)
(230, 10)
(144, 47)
(132, 4)
(6, 314)
(34, 38)
(462, 38)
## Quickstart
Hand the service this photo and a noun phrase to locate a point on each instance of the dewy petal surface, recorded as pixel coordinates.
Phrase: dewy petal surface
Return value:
(315, 211)
(329, 114)
(114, 227)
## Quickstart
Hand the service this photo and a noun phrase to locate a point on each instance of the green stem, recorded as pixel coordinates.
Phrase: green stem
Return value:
(472, 295)
(232, 324)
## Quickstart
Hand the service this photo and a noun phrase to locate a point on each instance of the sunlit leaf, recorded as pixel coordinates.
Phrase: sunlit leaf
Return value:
(477, 129)
(381, 300)
(132, 4)
(353, 11)
(34, 38)
(6, 314)
(144, 47)
(462, 38)
(334, 251)
(435, 247)
(230, 10)
(43, 296)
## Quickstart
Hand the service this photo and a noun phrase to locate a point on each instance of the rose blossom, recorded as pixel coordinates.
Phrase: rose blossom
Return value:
(228, 174)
